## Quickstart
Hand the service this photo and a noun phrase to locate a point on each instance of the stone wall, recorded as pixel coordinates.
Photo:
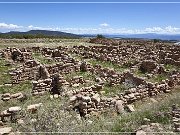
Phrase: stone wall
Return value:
(176, 118)
(41, 86)
(28, 71)
(9, 96)
(16, 54)
(90, 99)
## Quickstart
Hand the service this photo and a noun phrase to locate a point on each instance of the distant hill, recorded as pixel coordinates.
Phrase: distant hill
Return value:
(39, 33)
(153, 36)
(140, 36)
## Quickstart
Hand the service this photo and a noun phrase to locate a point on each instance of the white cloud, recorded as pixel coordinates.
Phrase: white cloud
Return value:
(104, 25)
(109, 30)
(9, 26)
(104, 29)
(31, 27)
(171, 29)
(165, 30)
(153, 29)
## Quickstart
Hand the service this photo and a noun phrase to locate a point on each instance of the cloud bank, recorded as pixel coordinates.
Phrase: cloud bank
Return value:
(104, 24)
(103, 28)
(9, 26)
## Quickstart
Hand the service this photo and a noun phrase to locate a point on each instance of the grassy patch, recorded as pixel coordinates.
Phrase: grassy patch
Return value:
(22, 87)
(157, 113)
(4, 74)
(42, 59)
(171, 67)
(139, 73)
(159, 78)
(114, 90)
(86, 75)
(108, 64)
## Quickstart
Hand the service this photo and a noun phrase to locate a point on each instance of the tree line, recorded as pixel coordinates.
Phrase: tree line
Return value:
(31, 36)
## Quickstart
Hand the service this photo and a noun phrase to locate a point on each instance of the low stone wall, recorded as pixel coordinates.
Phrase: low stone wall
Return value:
(171, 61)
(41, 86)
(176, 118)
(63, 68)
(90, 99)
(11, 114)
(148, 89)
(17, 55)
(9, 96)
(23, 74)
(76, 80)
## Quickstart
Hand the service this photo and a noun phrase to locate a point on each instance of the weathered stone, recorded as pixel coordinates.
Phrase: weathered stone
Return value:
(8, 85)
(130, 108)
(146, 120)
(76, 85)
(14, 109)
(20, 121)
(5, 113)
(33, 120)
(16, 95)
(33, 108)
(96, 98)
(131, 95)
(5, 130)
(1, 123)
(141, 132)
(6, 95)
(86, 98)
(6, 99)
(56, 96)
(73, 98)
(119, 106)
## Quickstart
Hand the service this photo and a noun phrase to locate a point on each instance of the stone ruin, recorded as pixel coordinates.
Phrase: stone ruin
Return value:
(144, 90)
(10, 114)
(7, 96)
(76, 80)
(89, 100)
(41, 86)
(151, 67)
(17, 55)
(176, 118)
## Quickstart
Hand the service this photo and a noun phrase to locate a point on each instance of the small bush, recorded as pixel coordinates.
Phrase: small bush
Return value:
(100, 36)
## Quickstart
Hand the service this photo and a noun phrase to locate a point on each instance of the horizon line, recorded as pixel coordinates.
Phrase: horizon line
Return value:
(94, 33)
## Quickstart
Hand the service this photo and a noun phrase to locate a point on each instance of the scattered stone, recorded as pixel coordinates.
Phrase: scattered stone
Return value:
(5, 130)
(1, 123)
(96, 98)
(33, 108)
(33, 120)
(56, 96)
(17, 95)
(146, 120)
(130, 108)
(140, 132)
(119, 106)
(8, 85)
(75, 85)
(14, 109)
(86, 98)
(20, 121)
(73, 98)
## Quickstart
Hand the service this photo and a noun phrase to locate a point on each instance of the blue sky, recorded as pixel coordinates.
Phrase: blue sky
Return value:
(92, 18)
